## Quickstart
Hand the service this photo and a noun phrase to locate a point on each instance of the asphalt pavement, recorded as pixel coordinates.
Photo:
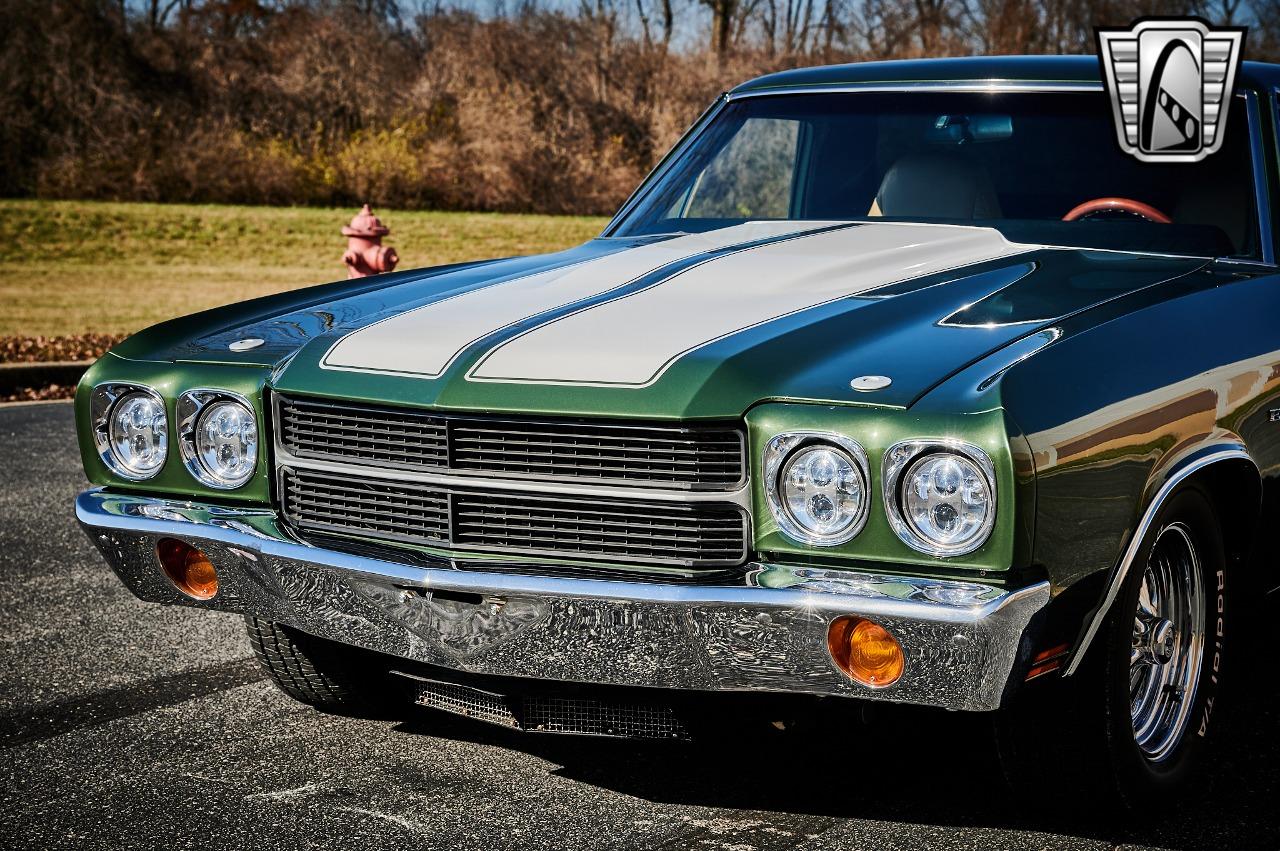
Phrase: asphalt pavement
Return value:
(129, 725)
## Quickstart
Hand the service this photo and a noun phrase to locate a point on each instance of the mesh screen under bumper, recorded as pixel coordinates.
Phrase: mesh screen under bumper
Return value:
(698, 534)
(657, 455)
(583, 716)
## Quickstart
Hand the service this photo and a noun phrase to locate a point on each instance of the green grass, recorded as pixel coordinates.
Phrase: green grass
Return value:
(70, 267)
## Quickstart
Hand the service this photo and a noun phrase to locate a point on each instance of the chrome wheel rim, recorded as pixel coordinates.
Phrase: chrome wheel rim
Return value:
(1168, 643)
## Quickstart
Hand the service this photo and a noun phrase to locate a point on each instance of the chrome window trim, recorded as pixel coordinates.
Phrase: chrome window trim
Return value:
(1261, 196)
(704, 121)
(102, 401)
(979, 86)
(187, 410)
(1266, 242)
(781, 447)
(695, 129)
(1260, 174)
(899, 457)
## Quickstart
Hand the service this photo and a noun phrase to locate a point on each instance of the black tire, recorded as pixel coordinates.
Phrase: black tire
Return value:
(1075, 737)
(332, 677)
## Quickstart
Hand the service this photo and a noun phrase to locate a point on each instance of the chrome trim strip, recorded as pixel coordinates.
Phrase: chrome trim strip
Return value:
(593, 484)
(1266, 244)
(740, 497)
(979, 86)
(779, 449)
(642, 189)
(1121, 571)
(704, 121)
(764, 632)
(451, 541)
(1261, 176)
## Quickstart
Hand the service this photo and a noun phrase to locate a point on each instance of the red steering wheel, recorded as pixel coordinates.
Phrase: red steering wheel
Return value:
(1117, 205)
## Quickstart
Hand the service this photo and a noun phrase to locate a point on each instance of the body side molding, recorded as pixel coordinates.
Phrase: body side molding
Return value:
(1207, 456)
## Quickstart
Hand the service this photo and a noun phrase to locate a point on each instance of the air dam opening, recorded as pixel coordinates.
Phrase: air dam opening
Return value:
(188, 568)
(866, 651)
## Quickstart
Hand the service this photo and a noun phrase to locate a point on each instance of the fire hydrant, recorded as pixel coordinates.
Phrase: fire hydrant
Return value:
(366, 255)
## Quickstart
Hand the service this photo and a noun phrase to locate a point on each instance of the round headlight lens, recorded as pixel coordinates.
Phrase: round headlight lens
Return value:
(823, 492)
(138, 435)
(226, 443)
(946, 500)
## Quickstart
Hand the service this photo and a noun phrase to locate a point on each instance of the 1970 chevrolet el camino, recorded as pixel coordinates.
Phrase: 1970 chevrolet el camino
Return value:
(872, 391)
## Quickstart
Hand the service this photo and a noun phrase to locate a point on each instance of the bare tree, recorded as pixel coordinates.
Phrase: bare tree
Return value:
(723, 15)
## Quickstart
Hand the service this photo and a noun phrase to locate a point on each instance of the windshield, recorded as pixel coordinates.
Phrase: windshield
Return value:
(1016, 161)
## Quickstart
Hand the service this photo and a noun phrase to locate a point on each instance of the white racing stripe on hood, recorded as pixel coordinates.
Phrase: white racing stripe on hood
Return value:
(424, 341)
(631, 340)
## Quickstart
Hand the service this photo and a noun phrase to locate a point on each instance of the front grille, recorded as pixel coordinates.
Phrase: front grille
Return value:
(397, 511)
(385, 437)
(688, 534)
(696, 457)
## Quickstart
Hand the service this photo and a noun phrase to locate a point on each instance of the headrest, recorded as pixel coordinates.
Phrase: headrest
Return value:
(942, 186)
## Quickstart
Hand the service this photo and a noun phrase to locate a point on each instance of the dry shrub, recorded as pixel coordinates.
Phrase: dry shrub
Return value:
(339, 102)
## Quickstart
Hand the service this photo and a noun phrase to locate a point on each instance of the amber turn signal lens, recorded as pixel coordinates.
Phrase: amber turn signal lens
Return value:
(865, 651)
(188, 569)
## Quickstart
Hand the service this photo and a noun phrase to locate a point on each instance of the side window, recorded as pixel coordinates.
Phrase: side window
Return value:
(751, 176)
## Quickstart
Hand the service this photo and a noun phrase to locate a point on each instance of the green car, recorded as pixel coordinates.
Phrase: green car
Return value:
(895, 382)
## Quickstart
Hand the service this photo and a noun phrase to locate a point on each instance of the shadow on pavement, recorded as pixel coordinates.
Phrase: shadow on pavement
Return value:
(912, 766)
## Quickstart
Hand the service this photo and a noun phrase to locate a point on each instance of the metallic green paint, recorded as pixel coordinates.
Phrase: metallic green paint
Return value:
(916, 332)
(876, 429)
(1114, 406)
(919, 332)
(170, 380)
(1089, 377)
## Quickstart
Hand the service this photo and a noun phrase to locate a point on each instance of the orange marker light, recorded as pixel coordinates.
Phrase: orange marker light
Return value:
(188, 568)
(865, 651)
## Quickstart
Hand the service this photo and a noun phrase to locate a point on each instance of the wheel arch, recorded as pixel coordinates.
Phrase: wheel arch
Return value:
(1230, 476)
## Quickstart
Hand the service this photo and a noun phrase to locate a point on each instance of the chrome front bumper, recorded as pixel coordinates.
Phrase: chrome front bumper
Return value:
(767, 633)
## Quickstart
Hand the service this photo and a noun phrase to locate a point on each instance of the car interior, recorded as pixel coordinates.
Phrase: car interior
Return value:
(1041, 167)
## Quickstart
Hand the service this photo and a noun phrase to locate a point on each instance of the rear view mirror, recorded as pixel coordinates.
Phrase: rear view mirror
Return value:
(962, 129)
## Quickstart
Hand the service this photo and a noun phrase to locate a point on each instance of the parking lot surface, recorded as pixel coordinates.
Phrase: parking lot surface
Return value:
(129, 725)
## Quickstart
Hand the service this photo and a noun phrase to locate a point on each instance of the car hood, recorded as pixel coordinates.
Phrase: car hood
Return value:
(691, 325)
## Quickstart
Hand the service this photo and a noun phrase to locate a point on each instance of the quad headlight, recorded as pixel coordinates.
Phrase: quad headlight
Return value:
(940, 496)
(130, 429)
(817, 487)
(218, 436)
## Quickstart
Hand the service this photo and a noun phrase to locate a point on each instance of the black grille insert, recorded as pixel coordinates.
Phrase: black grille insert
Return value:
(578, 715)
(661, 455)
(687, 534)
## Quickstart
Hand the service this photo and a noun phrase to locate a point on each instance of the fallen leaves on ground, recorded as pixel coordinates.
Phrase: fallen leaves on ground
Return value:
(40, 394)
(74, 347)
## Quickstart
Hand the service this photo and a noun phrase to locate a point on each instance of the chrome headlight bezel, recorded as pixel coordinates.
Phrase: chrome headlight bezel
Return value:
(191, 405)
(103, 402)
(780, 449)
(899, 458)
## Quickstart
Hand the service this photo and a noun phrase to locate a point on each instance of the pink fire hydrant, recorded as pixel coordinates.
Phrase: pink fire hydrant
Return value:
(366, 255)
